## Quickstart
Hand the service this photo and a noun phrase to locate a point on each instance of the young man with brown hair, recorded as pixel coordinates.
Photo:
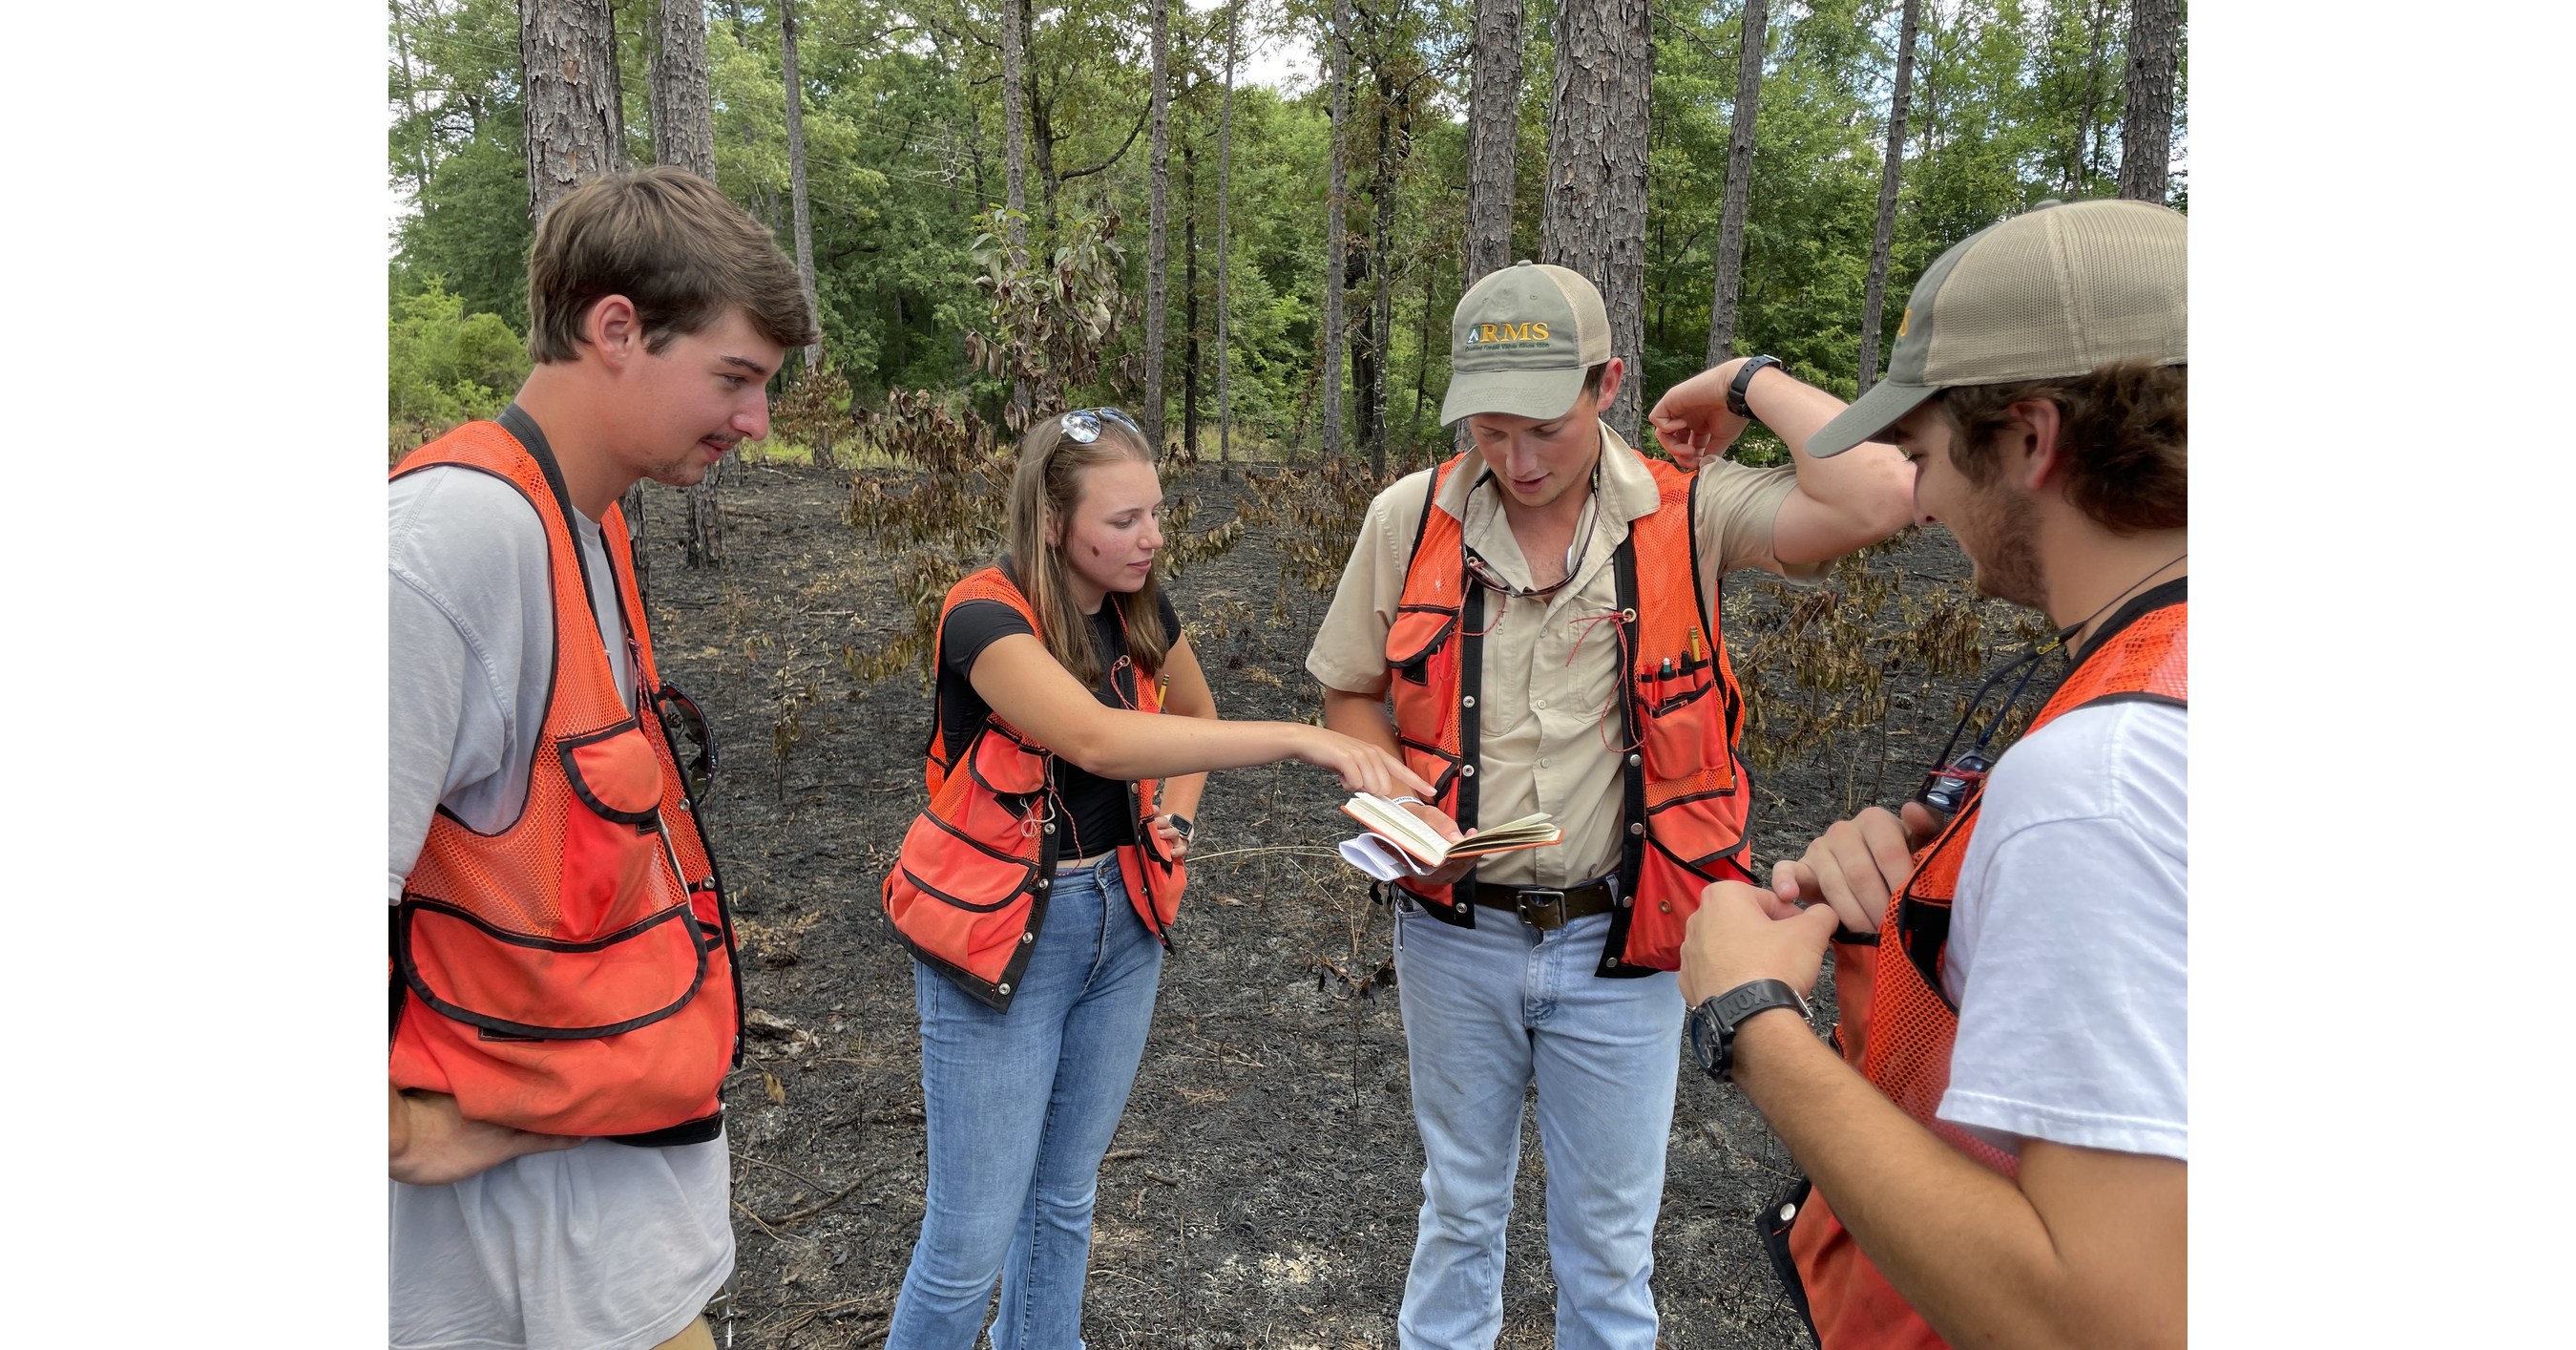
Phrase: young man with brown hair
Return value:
(564, 1005)
(2000, 1152)
(1541, 614)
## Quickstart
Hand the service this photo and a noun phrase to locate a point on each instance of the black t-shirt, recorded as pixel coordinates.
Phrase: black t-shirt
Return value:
(1095, 807)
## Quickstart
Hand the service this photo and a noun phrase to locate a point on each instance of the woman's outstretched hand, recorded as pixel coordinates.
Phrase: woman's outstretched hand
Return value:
(1361, 766)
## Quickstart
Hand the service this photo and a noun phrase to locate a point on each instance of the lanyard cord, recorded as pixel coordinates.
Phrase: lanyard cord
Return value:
(2028, 664)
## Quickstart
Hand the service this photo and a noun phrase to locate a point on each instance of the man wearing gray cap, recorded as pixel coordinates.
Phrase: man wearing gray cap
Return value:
(1540, 613)
(1999, 1154)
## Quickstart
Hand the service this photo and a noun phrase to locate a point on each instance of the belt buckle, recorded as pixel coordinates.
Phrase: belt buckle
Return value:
(1554, 900)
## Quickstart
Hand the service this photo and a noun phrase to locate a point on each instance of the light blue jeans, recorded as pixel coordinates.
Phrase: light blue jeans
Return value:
(1487, 1011)
(1020, 1108)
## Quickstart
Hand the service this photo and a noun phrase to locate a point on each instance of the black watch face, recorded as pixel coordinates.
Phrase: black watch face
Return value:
(1704, 1038)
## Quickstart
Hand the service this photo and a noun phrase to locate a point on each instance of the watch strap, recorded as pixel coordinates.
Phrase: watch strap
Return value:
(1743, 381)
(1731, 1010)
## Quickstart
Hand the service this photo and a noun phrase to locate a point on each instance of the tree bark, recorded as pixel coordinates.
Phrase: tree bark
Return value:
(568, 92)
(1739, 184)
(411, 103)
(796, 172)
(1190, 298)
(568, 72)
(1158, 223)
(684, 134)
(1874, 300)
(1595, 220)
(684, 128)
(1493, 121)
(2146, 120)
(1041, 134)
(1015, 192)
(1224, 189)
(1382, 262)
(1015, 172)
(1336, 235)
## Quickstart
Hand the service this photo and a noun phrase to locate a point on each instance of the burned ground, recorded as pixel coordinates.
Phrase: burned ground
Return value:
(1263, 1187)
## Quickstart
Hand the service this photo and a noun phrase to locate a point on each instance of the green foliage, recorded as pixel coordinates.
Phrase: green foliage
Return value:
(2014, 101)
(445, 366)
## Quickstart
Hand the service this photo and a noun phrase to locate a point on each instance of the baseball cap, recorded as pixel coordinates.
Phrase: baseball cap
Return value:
(2055, 292)
(1520, 341)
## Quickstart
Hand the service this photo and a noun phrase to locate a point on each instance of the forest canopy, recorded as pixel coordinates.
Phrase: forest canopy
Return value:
(2007, 103)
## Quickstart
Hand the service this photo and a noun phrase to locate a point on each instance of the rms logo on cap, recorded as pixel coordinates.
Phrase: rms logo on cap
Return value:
(1479, 335)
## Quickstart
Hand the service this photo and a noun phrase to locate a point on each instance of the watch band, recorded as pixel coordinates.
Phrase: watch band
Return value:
(1743, 381)
(1715, 1022)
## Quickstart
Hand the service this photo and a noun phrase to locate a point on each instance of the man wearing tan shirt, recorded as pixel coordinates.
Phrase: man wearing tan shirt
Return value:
(1560, 561)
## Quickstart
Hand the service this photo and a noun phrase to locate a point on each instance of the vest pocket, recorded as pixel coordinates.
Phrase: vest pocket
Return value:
(614, 772)
(1685, 731)
(519, 986)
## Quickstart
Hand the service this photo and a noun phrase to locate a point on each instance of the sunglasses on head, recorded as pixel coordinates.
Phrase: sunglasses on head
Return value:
(1082, 426)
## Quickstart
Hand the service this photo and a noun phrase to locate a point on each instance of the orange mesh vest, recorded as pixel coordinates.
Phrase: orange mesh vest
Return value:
(969, 890)
(1679, 720)
(1901, 1035)
(572, 973)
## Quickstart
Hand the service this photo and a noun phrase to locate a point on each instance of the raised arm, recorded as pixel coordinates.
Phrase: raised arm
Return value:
(1847, 502)
(1029, 690)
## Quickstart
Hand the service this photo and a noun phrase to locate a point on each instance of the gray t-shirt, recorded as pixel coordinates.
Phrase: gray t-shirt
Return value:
(602, 1247)
(2069, 942)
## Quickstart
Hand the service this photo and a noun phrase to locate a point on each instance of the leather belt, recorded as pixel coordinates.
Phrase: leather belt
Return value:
(1546, 907)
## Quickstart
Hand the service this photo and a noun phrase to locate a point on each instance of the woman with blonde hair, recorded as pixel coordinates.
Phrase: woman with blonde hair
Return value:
(1036, 889)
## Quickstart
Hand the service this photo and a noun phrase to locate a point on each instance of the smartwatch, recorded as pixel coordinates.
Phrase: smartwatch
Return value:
(1180, 823)
(1713, 1024)
(1744, 381)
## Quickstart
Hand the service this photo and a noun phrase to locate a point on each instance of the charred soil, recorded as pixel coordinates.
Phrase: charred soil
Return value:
(1262, 1189)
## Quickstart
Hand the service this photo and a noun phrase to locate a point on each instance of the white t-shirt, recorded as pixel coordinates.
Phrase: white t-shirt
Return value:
(2068, 939)
(601, 1247)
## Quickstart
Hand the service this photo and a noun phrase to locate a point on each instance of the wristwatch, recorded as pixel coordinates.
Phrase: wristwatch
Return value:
(1744, 381)
(1713, 1024)
(1180, 823)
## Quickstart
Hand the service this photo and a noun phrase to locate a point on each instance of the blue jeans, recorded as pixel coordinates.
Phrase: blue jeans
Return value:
(1487, 1011)
(1020, 1107)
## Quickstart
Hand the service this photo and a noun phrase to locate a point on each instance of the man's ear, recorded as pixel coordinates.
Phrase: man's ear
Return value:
(614, 331)
(1610, 380)
(2033, 457)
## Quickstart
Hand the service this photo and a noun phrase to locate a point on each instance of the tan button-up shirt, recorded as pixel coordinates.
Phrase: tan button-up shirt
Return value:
(1549, 731)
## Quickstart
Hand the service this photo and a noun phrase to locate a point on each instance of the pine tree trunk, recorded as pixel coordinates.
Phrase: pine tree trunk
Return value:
(1382, 261)
(1158, 225)
(1041, 131)
(1739, 184)
(1874, 301)
(1595, 220)
(569, 94)
(1336, 235)
(1190, 298)
(1015, 171)
(684, 134)
(2146, 122)
(1224, 248)
(684, 129)
(1493, 121)
(2079, 155)
(411, 103)
(796, 172)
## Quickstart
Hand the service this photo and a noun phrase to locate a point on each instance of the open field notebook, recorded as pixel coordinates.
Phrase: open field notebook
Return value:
(1425, 850)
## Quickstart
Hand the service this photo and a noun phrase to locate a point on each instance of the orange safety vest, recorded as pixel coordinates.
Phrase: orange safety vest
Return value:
(968, 892)
(1683, 785)
(573, 972)
(1900, 1035)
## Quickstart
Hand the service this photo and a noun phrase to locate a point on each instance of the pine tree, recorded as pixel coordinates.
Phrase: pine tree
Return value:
(1890, 171)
